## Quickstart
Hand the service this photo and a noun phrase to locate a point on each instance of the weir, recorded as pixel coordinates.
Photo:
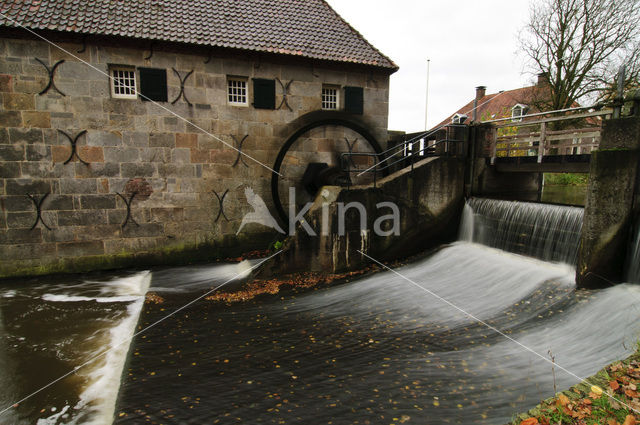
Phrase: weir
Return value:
(547, 232)
(633, 260)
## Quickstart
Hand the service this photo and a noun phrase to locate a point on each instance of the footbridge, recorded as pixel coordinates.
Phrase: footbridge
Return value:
(506, 158)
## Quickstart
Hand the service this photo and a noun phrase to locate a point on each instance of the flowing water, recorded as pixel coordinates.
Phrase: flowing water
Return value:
(380, 349)
(49, 327)
(547, 232)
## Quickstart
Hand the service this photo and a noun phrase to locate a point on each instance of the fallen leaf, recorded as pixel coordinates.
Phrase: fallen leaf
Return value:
(563, 400)
(614, 385)
(630, 420)
(631, 393)
(530, 421)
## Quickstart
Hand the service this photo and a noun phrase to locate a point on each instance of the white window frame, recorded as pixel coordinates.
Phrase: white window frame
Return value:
(326, 98)
(237, 91)
(115, 79)
(458, 118)
(518, 107)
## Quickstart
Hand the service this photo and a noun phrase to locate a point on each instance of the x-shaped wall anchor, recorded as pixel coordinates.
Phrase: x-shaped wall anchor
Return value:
(38, 204)
(221, 205)
(350, 146)
(182, 92)
(239, 158)
(128, 204)
(285, 92)
(74, 142)
(51, 72)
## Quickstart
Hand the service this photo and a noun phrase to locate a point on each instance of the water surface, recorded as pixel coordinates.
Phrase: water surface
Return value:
(381, 349)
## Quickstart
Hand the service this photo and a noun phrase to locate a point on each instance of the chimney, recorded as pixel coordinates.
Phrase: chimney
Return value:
(543, 79)
(480, 92)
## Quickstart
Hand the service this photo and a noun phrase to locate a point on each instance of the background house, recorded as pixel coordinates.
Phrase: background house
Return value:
(516, 103)
(519, 104)
(119, 122)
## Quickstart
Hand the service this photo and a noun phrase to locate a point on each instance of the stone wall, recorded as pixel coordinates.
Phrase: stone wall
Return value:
(609, 210)
(429, 199)
(172, 154)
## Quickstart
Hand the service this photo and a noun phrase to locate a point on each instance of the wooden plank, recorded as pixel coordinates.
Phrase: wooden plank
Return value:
(543, 141)
(553, 119)
(494, 143)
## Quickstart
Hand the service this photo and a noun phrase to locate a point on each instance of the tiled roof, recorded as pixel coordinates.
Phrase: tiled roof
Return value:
(308, 28)
(498, 105)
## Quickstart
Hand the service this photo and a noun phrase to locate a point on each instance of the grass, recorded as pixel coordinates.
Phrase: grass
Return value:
(566, 179)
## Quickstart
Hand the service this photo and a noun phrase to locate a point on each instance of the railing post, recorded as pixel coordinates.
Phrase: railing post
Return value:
(375, 173)
(543, 141)
(494, 145)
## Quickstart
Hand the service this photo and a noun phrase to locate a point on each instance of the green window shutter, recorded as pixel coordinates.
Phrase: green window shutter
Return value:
(264, 93)
(153, 84)
(353, 100)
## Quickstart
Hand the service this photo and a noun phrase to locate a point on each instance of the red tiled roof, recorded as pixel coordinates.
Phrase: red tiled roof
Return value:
(308, 28)
(498, 105)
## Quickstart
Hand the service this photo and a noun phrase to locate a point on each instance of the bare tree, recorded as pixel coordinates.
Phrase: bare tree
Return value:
(580, 45)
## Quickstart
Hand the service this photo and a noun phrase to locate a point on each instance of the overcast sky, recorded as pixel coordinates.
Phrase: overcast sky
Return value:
(469, 42)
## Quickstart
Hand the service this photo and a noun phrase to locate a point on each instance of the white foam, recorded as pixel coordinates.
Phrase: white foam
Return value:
(243, 269)
(53, 419)
(98, 400)
(76, 298)
(9, 294)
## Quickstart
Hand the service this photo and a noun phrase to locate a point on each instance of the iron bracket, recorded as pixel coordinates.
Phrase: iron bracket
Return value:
(51, 72)
(209, 57)
(84, 45)
(150, 52)
(350, 146)
(38, 204)
(239, 158)
(221, 205)
(182, 92)
(74, 149)
(285, 92)
(128, 204)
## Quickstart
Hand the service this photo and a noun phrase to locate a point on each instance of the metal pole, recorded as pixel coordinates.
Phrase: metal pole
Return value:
(426, 101)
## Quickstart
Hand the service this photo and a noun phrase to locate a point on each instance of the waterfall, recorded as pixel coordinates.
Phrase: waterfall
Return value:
(548, 232)
(633, 261)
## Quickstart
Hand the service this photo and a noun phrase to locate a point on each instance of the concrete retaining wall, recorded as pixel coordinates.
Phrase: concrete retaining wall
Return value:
(609, 210)
(429, 200)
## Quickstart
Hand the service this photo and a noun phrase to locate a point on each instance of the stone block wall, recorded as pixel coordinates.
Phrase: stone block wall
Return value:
(61, 212)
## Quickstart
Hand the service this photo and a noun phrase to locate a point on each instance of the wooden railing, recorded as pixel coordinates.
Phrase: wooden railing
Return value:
(541, 141)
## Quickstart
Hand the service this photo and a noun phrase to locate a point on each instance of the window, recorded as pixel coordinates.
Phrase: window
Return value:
(459, 119)
(123, 82)
(153, 84)
(237, 91)
(330, 97)
(517, 112)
